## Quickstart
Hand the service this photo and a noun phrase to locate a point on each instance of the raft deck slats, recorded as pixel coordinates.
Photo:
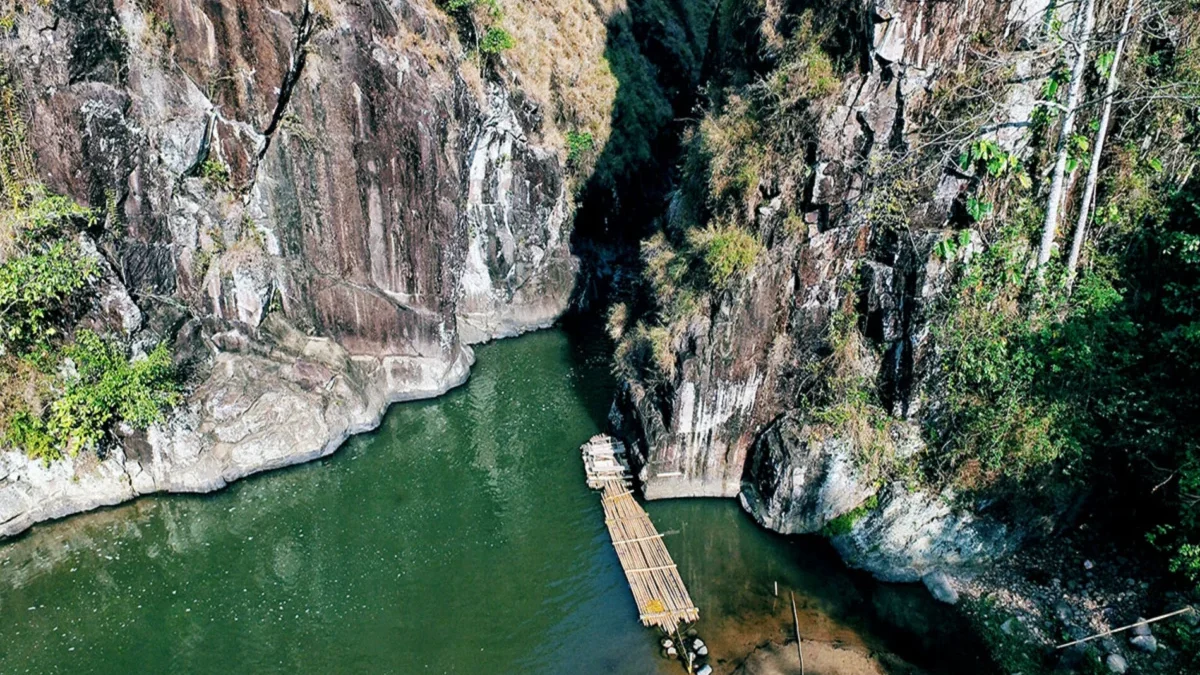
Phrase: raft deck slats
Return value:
(661, 597)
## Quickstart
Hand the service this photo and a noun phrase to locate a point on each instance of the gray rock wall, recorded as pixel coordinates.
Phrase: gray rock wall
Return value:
(733, 422)
(385, 206)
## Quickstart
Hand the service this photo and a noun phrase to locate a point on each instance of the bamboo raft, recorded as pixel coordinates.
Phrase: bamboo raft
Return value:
(662, 599)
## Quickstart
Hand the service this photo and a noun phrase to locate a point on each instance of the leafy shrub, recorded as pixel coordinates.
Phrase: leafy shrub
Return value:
(40, 217)
(105, 388)
(727, 252)
(949, 247)
(214, 172)
(99, 388)
(28, 432)
(987, 157)
(496, 40)
(579, 144)
(35, 289)
(992, 363)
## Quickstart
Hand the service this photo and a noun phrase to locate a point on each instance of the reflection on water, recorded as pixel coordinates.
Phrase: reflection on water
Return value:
(458, 538)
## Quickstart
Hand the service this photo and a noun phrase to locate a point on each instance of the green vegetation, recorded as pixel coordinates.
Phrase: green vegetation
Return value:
(845, 403)
(808, 74)
(726, 252)
(214, 172)
(456, 7)
(102, 388)
(479, 24)
(62, 392)
(646, 352)
(579, 145)
(1042, 383)
(681, 279)
(750, 142)
(992, 362)
(61, 389)
(35, 290)
(845, 522)
(495, 40)
(1051, 387)
(42, 273)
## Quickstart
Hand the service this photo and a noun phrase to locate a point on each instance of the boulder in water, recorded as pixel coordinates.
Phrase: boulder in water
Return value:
(1116, 664)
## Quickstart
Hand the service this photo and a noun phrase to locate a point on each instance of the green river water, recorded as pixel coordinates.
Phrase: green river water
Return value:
(457, 538)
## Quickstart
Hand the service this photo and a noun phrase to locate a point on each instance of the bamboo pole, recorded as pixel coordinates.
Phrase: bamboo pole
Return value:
(796, 619)
(1125, 628)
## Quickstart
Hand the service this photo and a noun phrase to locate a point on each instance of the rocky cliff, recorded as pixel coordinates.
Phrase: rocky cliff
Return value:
(319, 204)
(800, 384)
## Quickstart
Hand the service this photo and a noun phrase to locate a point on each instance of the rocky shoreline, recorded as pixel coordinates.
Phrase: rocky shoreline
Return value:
(178, 458)
(1077, 586)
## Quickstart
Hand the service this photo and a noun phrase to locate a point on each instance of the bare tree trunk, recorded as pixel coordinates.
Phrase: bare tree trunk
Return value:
(1089, 190)
(1068, 126)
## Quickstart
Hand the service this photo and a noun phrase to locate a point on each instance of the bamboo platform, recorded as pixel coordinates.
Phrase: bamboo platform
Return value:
(658, 590)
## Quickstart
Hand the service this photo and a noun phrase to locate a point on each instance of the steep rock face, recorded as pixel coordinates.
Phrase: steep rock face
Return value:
(516, 276)
(319, 204)
(799, 480)
(802, 475)
(732, 421)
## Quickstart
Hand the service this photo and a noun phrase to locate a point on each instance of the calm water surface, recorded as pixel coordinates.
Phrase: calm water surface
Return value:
(457, 538)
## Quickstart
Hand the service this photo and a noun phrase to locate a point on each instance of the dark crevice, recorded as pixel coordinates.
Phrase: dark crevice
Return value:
(205, 147)
(896, 143)
(309, 25)
(868, 134)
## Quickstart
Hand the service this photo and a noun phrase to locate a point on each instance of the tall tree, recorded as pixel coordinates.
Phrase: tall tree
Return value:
(1054, 203)
(1089, 190)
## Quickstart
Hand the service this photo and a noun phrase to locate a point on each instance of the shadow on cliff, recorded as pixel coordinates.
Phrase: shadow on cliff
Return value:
(656, 50)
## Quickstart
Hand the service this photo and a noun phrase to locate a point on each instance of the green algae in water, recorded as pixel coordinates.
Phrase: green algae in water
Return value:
(457, 538)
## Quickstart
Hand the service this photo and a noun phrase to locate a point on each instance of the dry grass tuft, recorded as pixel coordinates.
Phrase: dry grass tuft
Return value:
(559, 56)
